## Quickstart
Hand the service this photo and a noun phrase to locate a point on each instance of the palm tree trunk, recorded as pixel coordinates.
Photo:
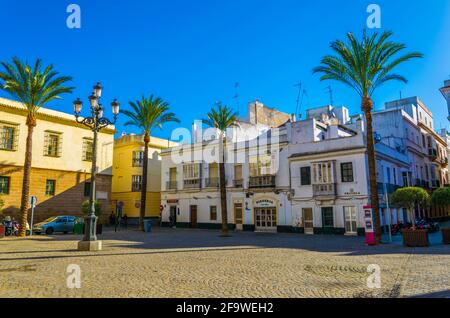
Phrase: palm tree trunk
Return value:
(223, 189)
(144, 183)
(367, 105)
(31, 123)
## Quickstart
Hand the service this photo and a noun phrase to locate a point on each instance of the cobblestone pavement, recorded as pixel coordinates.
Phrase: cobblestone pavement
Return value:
(200, 263)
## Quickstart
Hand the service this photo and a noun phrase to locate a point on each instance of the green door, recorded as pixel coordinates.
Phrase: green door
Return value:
(327, 220)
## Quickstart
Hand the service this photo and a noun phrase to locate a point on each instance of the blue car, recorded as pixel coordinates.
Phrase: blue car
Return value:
(55, 224)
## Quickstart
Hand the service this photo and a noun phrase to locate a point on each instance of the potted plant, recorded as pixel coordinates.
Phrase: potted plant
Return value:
(86, 208)
(411, 198)
(441, 197)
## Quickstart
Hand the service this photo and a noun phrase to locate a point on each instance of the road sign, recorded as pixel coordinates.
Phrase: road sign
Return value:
(33, 202)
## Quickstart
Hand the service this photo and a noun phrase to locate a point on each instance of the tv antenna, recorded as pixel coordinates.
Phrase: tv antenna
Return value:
(236, 95)
(330, 92)
(299, 85)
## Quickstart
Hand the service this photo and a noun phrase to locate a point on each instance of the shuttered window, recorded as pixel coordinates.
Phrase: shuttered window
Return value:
(4, 185)
(50, 187)
(88, 149)
(9, 135)
(52, 144)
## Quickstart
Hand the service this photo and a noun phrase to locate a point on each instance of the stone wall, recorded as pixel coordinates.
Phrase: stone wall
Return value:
(69, 194)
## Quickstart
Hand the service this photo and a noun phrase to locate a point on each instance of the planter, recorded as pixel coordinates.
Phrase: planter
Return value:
(446, 235)
(99, 228)
(415, 238)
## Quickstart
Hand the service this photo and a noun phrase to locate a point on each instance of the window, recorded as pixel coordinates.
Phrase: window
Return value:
(327, 217)
(395, 175)
(52, 144)
(213, 212)
(138, 158)
(87, 189)
(9, 134)
(238, 172)
(424, 144)
(323, 173)
(261, 166)
(88, 149)
(50, 186)
(305, 176)
(4, 185)
(347, 172)
(136, 183)
(191, 171)
(388, 175)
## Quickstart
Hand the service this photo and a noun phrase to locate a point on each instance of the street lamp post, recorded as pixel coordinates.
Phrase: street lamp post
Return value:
(95, 123)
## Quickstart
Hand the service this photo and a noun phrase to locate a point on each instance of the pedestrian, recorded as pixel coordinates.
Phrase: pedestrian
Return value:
(125, 220)
(112, 218)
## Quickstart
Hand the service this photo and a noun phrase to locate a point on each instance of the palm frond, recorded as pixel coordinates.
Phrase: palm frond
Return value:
(33, 86)
(364, 64)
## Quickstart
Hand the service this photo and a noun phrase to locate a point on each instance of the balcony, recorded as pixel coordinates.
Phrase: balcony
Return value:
(136, 186)
(432, 153)
(435, 184)
(171, 185)
(324, 190)
(262, 182)
(211, 182)
(192, 184)
(238, 183)
(389, 187)
(138, 162)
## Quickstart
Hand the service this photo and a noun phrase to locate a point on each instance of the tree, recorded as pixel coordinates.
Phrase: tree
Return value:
(34, 86)
(441, 197)
(148, 114)
(411, 198)
(365, 65)
(86, 208)
(222, 118)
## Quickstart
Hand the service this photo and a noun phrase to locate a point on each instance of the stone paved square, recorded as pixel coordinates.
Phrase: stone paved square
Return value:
(200, 263)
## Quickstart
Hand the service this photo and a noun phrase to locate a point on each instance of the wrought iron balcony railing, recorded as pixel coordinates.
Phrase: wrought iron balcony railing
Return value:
(262, 182)
(327, 189)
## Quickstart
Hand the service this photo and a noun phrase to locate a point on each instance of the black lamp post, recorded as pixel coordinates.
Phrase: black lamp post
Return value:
(95, 123)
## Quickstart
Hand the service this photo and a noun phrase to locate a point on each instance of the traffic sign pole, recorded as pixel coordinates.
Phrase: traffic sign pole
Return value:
(33, 201)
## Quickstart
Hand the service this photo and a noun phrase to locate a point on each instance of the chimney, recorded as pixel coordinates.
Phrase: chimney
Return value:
(446, 93)
(293, 118)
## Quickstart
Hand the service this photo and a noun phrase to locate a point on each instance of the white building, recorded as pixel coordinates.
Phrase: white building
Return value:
(257, 190)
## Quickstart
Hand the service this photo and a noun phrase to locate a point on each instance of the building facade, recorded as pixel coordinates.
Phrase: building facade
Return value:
(61, 162)
(256, 191)
(127, 174)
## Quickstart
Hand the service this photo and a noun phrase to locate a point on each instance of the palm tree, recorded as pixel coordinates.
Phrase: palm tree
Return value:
(221, 119)
(34, 86)
(147, 114)
(364, 66)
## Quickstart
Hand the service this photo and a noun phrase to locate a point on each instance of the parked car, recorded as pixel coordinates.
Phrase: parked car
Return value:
(54, 224)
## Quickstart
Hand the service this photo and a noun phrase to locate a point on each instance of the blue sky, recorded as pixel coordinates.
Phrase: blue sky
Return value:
(193, 52)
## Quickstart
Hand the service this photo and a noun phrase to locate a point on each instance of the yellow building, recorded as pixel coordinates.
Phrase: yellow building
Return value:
(127, 174)
(61, 162)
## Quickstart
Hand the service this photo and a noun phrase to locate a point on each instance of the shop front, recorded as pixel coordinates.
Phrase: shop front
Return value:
(265, 215)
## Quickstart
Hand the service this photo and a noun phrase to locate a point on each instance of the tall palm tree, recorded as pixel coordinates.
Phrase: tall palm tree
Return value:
(365, 65)
(222, 118)
(34, 86)
(148, 114)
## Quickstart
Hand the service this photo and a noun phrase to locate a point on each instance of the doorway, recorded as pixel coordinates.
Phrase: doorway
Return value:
(308, 220)
(327, 220)
(266, 219)
(193, 216)
(238, 216)
(350, 220)
(173, 216)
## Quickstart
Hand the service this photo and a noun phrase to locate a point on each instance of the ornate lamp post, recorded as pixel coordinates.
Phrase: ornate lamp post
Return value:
(95, 122)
